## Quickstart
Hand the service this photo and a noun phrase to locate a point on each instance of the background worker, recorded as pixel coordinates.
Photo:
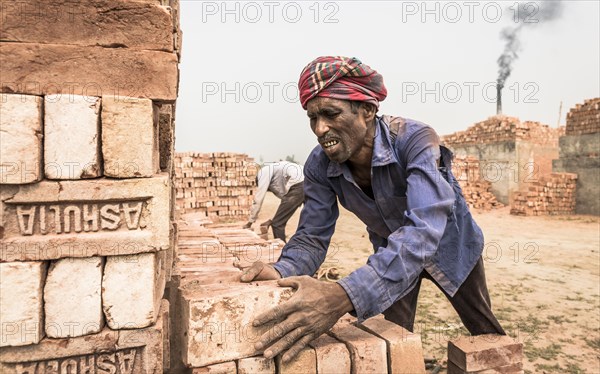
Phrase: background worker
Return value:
(285, 179)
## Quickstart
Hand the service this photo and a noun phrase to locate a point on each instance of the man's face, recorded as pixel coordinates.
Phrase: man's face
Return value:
(340, 131)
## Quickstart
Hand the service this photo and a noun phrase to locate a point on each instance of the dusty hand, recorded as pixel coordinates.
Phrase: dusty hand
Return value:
(313, 309)
(247, 225)
(260, 271)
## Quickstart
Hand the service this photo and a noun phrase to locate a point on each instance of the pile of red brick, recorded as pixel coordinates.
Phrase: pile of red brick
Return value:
(220, 185)
(584, 118)
(213, 313)
(476, 190)
(550, 195)
(503, 128)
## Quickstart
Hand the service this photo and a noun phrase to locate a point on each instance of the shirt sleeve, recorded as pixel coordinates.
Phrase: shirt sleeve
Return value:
(264, 179)
(307, 248)
(393, 270)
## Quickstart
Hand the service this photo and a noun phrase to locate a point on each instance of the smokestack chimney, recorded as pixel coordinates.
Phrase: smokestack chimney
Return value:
(498, 99)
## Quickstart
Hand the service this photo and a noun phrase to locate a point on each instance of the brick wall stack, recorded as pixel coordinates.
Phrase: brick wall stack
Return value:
(477, 191)
(504, 128)
(584, 118)
(580, 154)
(87, 102)
(213, 313)
(550, 195)
(219, 185)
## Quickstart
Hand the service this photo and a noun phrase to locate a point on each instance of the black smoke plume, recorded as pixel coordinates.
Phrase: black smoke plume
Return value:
(528, 14)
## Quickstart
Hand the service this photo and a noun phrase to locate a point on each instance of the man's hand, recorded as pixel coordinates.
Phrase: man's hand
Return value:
(313, 309)
(259, 271)
(247, 225)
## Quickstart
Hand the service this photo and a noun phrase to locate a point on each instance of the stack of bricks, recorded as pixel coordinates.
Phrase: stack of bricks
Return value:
(213, 313)
(584, 118)
(485, 354)
(86, 200)
(220, 185)
(477, 191)
(503, 128)
(549, 195)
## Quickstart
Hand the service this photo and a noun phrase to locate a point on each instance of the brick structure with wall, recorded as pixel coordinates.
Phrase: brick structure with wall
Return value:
(511, 153)
(87, 218)
(579, 153)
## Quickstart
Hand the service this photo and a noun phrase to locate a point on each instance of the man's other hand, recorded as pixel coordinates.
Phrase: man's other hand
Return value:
(313, 309)
(259, 271)
(247, 225)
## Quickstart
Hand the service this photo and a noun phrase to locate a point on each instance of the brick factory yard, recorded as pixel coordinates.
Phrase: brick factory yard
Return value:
(544, 280)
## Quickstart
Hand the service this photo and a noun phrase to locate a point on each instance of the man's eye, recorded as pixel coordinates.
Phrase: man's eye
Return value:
(332, 114)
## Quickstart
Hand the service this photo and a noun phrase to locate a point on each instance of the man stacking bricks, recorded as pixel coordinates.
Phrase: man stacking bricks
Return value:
(393, 174)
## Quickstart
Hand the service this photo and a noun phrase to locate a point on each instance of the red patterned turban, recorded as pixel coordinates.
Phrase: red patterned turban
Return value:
(343, 78)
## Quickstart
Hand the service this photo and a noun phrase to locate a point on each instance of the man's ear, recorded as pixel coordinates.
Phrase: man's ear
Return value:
(368, 110)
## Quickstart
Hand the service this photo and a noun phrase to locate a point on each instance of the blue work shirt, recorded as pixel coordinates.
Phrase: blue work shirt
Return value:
(418, 219)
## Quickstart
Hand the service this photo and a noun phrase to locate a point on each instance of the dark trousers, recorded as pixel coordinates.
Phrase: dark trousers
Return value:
(289, 203)
(471, 302)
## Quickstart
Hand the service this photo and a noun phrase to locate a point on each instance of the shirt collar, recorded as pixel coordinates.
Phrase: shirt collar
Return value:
(383, 153)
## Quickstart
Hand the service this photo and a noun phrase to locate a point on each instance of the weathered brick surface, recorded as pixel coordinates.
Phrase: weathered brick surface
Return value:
(88, 71)
(332, 356)
(405, 352)
(476, 353)
(107, 23)
(219, 275)
(256, 365)
(508, 369)
(72, 137)
(73, 297)
(132, 287)
(21, 138)
(52, 220)
(304, 362)
(222, 368)
(137, 351)
(21, 303)
(367, 352)
(246, 255)
(218, 320)
(129, 137)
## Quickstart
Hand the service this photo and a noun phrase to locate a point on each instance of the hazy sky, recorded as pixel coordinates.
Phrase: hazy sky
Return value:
(241, 62)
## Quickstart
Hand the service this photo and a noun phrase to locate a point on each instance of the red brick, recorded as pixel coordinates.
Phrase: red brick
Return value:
(405, 352)
(476, 353)
(332, 356)
(367, 352)
(508, 369)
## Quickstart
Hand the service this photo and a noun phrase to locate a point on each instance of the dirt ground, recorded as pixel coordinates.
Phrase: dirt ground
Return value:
(543, 275)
